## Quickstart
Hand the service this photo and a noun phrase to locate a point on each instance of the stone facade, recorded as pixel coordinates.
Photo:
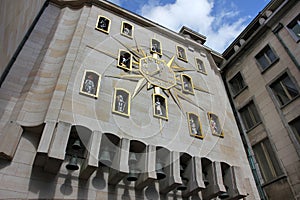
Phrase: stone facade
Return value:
(269, 28)
(45, 110)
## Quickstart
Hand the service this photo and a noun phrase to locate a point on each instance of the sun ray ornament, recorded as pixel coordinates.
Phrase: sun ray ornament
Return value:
(162, 76)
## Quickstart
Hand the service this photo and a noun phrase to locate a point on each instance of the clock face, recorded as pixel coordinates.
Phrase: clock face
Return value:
(157, 72)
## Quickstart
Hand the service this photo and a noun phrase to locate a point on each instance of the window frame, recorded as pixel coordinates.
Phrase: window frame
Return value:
(97, 76)
(252, 116)
(263, 51)
(294, 130)
(215, 121)
(190, 116)
(101, 29)
(289, 27)
(122, 29)
(234, 94)
(126, 108)
(196, 64)
(179, 56)
(270, 157)
(271, 91)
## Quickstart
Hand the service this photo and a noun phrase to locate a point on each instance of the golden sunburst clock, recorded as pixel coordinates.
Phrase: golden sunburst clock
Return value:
(163, 76)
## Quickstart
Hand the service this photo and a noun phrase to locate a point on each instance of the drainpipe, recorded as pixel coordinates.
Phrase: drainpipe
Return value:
(276, 33)
(21, 45)
(246, 146)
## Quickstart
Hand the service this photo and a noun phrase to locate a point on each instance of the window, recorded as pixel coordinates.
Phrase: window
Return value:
(294, 28)
(284, 89)
(127, 29)
(103, 24)
(266, 57)
(295, 125)
(200, 65)
(181, 55)
(267, 161)
(237, 83)
(250, 116)
(215, 125)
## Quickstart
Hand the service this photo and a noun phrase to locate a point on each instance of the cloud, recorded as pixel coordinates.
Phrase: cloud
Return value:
(220, 24)
(117, 2)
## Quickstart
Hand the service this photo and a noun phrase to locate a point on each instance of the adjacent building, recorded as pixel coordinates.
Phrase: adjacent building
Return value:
(261, 73)
(100, 103)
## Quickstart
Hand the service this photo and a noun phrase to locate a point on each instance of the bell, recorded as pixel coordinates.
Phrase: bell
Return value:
(224, 195)
(133, 175)
(76, 145)
(159, 171)
(181, 169)
(105, 158)
(204, 176)
(183, 186)
(72, 164)
(132, 158)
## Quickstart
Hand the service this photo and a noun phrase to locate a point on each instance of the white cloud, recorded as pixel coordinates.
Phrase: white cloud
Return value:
(117, 2)
(220, 25)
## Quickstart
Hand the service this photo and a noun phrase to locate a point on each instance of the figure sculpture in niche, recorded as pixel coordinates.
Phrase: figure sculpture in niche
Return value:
(158, 107)
(127, 29)
(103, 23)
(120, 103)
(124, 60)
(89, 85)
(194, 127)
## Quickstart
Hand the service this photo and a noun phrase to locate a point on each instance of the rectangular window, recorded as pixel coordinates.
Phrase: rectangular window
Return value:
(267, 161)
(294, 28)
(237, 83)
(250, 116)
(284, 89)
(266, 57)
(295, 125)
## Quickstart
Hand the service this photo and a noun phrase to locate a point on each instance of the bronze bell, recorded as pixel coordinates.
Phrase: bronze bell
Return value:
(132, 158)
(183, 186)
(204, 177)
(181, 169)
(105, 158)
(133, 175)
(224, 195)
(76, 145)
(72, 165)
(159, 171)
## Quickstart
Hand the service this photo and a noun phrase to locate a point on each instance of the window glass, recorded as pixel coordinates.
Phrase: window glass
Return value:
(294, 27)
(267, 160)
(249, 115)
(266, 57)
(237, 83)
(295, 124)
(284, 89)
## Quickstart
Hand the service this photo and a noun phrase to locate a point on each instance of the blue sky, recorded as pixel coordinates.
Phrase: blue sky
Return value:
(221, 21)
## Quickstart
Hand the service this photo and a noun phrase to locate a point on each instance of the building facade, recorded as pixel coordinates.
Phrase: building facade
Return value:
(261, 72)
(100, 103)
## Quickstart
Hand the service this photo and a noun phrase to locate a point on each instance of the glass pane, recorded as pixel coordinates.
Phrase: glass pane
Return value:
(280, 94)
(246, 119)
(296, 29)
(271, 55)
(296, 128)
(264, 63)
(254, 113)
(291, 88)
(262, 162)
(273, 159)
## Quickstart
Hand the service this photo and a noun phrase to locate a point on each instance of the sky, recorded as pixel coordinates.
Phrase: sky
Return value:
(221, 21)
